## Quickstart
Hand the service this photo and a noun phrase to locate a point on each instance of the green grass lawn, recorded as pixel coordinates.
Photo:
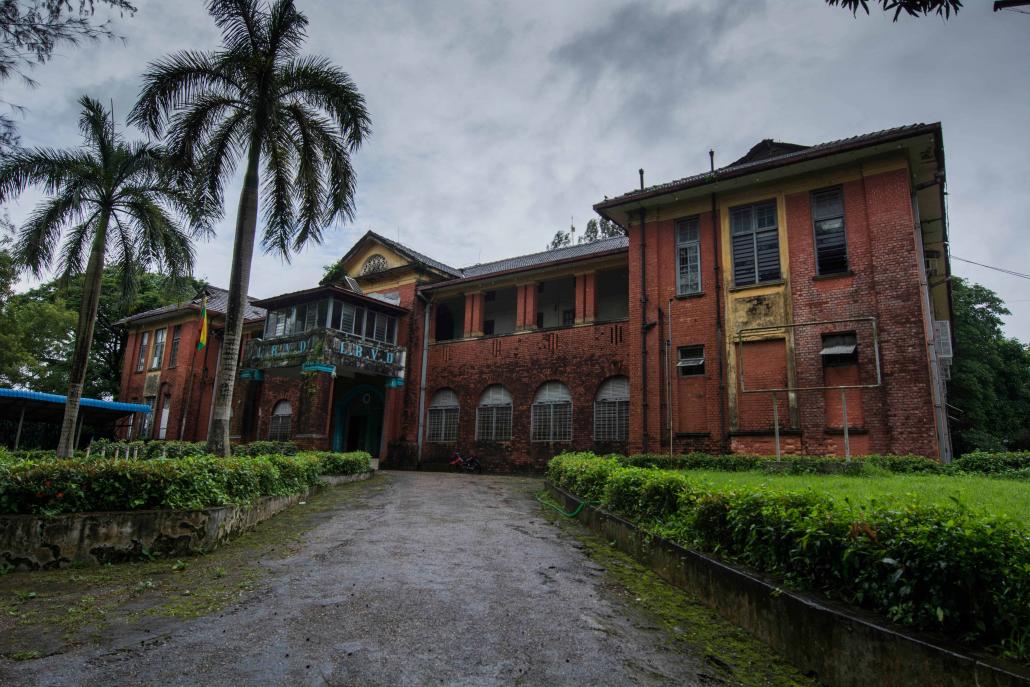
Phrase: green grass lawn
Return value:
(982, 494)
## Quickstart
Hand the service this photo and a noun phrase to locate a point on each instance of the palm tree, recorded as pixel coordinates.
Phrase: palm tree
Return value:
(108, 197)
(294, 119)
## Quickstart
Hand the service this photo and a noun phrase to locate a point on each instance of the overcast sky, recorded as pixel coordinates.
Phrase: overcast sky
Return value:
(496, 123)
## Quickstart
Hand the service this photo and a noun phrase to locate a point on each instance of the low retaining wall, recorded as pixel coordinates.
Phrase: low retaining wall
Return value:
(840, 646)
(32, 542)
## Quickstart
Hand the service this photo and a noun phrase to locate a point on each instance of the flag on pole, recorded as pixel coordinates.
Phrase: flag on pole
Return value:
(202, 340)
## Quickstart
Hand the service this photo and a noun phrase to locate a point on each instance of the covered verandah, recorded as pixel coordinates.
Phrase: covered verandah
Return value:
(21, 406)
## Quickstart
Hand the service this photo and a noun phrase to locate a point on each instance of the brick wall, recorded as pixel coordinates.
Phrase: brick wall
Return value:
(581, 357)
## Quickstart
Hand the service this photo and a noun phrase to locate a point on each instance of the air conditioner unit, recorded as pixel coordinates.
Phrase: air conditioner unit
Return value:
(942, 339)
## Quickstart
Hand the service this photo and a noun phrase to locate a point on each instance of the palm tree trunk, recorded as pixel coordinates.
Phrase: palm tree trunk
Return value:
(239, 283)
(84, 337)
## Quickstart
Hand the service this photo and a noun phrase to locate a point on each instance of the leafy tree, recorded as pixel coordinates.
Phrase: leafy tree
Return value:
(913, 8)
(43, 321)
(106, 197)
(595, 231)
(990, 376)
(295, 119)
(30, 31)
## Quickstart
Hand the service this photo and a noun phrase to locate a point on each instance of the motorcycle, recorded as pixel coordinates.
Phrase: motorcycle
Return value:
(461, 463)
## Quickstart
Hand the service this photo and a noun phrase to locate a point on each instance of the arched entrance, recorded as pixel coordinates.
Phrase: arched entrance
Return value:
(358, 420)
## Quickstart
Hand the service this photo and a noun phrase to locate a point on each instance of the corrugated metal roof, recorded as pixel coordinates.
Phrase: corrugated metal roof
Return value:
(217, 303)
(28, 395)
(802, 153)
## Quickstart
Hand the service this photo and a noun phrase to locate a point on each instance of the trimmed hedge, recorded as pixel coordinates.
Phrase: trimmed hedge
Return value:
(938, 568)
(352, 463)
(52, 487)
(788, 464)
(264, 448)
(1017, 462)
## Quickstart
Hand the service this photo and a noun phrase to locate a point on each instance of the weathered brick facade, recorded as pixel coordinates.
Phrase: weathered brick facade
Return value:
(481, 326)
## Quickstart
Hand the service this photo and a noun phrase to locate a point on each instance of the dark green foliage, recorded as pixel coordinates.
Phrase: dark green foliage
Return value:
(990, 377)
(946, 569)
(1014, 464)
(351, 463)
(262, 448)
(788, 464)
(44, 485)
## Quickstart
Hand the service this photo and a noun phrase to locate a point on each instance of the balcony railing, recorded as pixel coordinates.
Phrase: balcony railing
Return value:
(327, 347)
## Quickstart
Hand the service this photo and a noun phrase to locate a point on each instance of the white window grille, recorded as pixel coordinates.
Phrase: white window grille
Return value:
(942, 339)
(374, 263)
(688, 256)
(493, 416)
(141, 356)
(159, 349)
(279, 425)
(611, 410)
(552, 413)
(442, 425)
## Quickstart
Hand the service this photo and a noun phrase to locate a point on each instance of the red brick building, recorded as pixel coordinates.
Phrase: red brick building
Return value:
(799, 295)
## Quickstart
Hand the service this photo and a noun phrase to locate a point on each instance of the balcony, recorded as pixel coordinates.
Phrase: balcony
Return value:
(326, 347)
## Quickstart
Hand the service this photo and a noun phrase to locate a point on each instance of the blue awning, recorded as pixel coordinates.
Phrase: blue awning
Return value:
(39, 396)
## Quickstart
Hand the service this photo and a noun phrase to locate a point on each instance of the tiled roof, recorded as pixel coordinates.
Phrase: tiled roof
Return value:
(745, 165)
(522, 262)
(217, 302)
(415, 255)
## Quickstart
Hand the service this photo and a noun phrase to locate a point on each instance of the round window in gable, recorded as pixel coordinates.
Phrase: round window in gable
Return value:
(374, 263)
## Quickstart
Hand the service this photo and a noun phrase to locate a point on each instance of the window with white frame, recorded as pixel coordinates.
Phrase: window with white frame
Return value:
(159, 349)
(756, 243)
(442, 424)
(688, 256)
(280, 424)
(493, 415)
(141, 356)
(611, 410)
(831, 245)
(552, 413)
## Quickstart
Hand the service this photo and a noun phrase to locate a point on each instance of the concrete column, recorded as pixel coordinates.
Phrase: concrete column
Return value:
(530, 305)
(586, 304)
(474, 314)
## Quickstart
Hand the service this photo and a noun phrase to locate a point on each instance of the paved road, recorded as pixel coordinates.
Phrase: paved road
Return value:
(435, 579)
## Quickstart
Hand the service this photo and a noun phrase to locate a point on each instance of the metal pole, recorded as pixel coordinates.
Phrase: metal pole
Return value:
(776, 425)
(21, 421)
(668, 372)
(78, 433)
(844, 410)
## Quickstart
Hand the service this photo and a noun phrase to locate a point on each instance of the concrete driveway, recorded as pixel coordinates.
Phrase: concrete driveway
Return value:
(429, 579)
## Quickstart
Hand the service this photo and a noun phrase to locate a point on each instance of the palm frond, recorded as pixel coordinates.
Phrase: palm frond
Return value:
(321, 84)
(278, 191)
(174, 81)
(46, 167)
(242, 23)
(97, 127)
(39, 236)
(77, 244)
(287, 29)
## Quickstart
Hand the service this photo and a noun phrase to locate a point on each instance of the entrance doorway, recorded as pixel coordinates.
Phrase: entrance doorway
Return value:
(358, 420)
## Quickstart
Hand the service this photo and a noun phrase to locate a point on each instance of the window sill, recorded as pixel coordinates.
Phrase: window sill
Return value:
(839, 431)
(692, 435)
(746, 287)
(688, 296)
(835, 275)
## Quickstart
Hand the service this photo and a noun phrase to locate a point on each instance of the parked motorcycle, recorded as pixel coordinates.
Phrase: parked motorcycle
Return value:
(460, 463)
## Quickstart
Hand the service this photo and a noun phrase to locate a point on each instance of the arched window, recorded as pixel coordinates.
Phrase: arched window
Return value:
(443, 417)
(374, 263)
(611, 410)
(552, 413)
(279, 425)
(493, 416)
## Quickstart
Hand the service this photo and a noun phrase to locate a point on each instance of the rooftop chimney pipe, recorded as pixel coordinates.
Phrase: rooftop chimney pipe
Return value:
(711, 159)
(641, 178)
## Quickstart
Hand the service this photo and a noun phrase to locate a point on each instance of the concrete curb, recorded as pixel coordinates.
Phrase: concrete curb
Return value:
(32, 542)
(840, 646)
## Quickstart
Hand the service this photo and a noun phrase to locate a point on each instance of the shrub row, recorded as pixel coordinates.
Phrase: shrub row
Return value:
(352, 463)
(1013, 463)
(52, 487)
(939, 568)
(148, 450)
(789, 464)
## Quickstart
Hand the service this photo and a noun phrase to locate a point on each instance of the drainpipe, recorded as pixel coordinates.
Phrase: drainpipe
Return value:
(644, 327)
(422, 378)
(721, 347)
(668, 371)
